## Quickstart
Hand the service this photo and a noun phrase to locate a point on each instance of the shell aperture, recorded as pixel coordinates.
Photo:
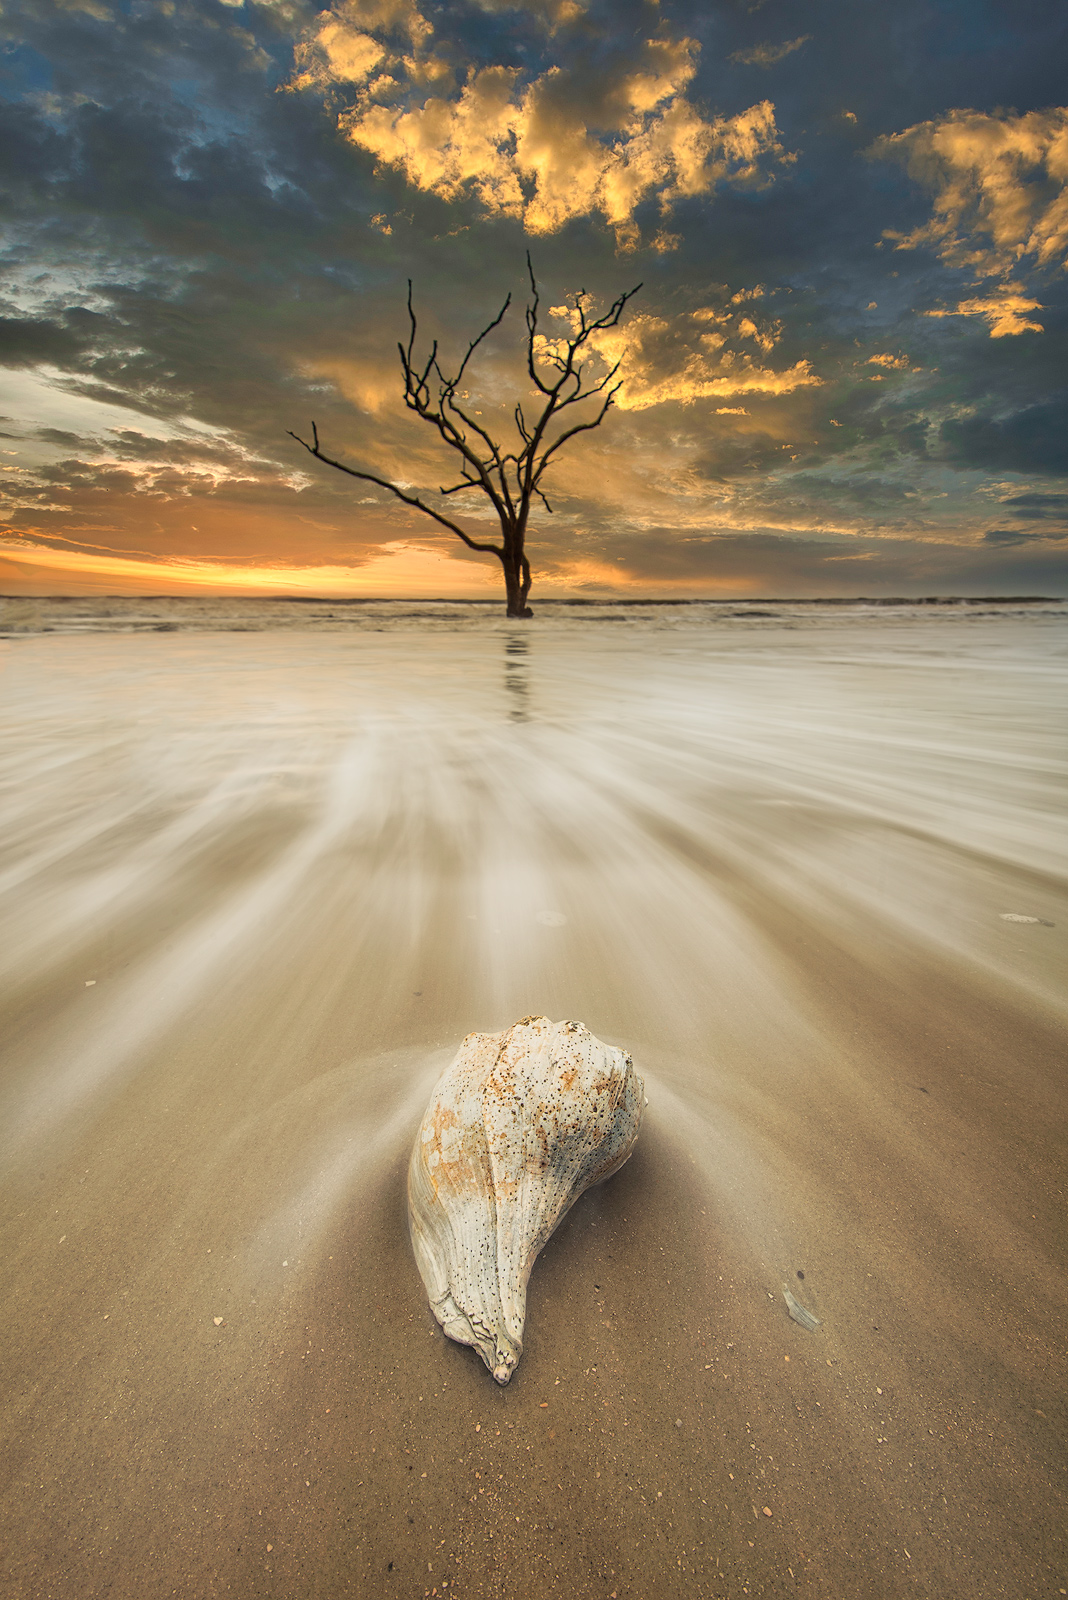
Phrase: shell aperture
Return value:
(518, 1126)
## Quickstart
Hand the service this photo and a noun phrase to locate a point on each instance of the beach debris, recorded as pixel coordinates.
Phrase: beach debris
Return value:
(1018, 916)
(518, 1126)
(797, 1311)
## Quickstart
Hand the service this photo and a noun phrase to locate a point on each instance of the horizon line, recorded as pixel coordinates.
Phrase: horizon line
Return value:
(575, 600)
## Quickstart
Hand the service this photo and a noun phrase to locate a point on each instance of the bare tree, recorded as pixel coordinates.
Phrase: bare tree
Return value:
(510, 479)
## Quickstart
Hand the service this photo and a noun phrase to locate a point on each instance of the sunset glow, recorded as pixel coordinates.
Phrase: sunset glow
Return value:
(400, 569)
(847, 352)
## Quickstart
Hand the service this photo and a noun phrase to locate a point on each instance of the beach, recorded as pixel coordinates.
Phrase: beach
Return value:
(264, 868)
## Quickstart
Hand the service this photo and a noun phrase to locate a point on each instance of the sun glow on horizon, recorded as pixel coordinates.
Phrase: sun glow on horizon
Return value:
(402, 570)
(409, 568)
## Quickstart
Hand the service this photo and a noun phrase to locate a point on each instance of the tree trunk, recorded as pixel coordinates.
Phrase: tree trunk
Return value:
(516, 582)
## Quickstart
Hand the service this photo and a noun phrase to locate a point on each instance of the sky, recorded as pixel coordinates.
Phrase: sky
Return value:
(845, 371)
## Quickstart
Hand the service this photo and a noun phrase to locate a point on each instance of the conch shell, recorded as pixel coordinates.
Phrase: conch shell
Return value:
(518, 1126)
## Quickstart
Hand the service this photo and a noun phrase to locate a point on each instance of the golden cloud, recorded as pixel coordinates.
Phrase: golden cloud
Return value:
(1005, 311)
(766, 338)
(338, 54)
(1000, 186)
(680, 361)
(530, 157)
(534, 150)
(341, 48)
(449, 147)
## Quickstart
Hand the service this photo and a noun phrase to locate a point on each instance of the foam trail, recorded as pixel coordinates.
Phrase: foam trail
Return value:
(168, 985)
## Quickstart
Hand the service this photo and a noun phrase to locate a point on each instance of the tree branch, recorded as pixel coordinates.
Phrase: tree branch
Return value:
(384, 483)
(580, 427)
(417, 399)
(473, 346)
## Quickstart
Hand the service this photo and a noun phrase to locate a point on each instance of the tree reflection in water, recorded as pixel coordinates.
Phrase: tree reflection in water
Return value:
(516, 683)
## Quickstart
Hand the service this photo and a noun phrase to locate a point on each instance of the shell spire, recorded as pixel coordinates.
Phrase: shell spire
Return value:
(518, 1127)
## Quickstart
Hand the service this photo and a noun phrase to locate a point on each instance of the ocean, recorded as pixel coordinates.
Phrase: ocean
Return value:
(168, 613)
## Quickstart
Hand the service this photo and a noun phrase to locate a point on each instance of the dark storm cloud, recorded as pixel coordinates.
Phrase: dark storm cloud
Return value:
(1011, 536)
(28, 341)
(1034, 439)
(65, 438)
(188, 238)
(1036, 507)
(1048, 510)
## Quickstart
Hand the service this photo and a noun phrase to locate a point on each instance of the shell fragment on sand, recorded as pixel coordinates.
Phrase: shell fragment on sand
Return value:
(518, 1126)
(804, 1318)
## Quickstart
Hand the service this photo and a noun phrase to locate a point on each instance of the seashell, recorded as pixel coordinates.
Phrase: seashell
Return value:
(518, 1127)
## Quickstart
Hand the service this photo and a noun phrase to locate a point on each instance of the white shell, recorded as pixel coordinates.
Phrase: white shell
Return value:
(518, 1126)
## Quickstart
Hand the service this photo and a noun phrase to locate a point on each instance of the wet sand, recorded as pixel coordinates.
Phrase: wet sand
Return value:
(255, 891)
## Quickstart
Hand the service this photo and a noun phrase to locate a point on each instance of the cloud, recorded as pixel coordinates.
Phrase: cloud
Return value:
(697, 355)
(1005, 310)
(768, 564)
(90, 453)
(542, 149)
(451, 147)
(338, 53)
(557, 13)
(1000, 185)
(699, 380)
(766, 55)
(28, 341)
(341, 47)
(1011, 536)
(1031, 508)
(1039, 507)
(528, 153)
(1032, 439)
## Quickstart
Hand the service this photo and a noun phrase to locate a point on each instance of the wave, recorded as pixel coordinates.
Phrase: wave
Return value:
(34, 615)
